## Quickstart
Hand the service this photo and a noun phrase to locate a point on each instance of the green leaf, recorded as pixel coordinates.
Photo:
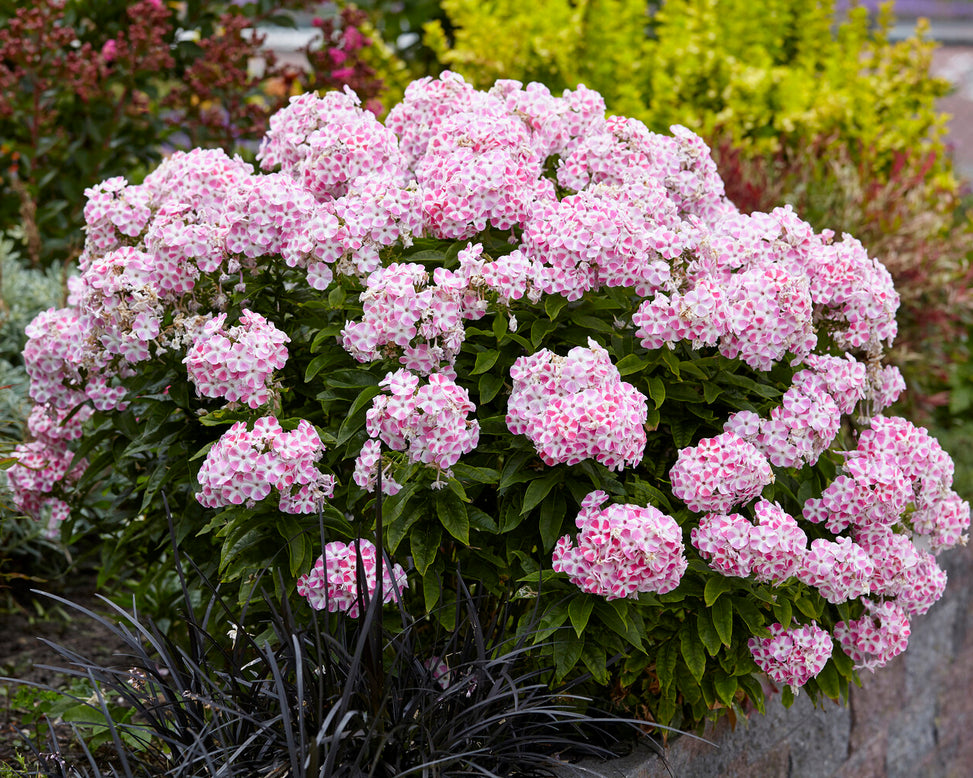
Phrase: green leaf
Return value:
(393, 509)
(315, 366)
(223, 416)
(540, 329)
(692, 652)
(685, 393)
(480, 475)
(351, 379)
(567, 652)
(511, 516)
(513, 470)
(591, 323)
(337, 296)
(715, 586)
(843, 663)
(722, 615)
(551, 621)
(484, 361)
(751, 686)
(427, 255)
(552, 515)
(593, 657)
(657, 391)
(683, 431)
(538, 489)
(632, 363)
(752, 616)
(646, 493)
(726, 687)
(238, 543)
(708, 635)
(710, 392)
(829, 682)
(553, 304)
(787, 697)
(665, 663)
(481, 520)
(671, 360)
(489, 386)
(432, 588)
(424, 542)
(810, 606)
(652, 419)
(452, 515)
(299, 547)
(364, 398)
(579, 610)
(500, 326)
(615, 616)
(784, 611)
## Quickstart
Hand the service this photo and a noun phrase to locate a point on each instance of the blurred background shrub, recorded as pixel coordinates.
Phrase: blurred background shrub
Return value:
(93, 90)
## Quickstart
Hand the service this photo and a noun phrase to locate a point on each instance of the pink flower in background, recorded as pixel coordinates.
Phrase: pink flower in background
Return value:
(109, 50)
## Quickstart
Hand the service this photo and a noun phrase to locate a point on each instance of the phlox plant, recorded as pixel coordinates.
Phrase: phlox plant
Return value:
(565, 359)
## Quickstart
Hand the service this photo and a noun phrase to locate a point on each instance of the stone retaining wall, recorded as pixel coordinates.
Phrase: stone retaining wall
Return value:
(912, 719)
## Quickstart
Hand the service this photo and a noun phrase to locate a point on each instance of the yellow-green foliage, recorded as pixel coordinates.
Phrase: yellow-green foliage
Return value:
(758, 74)
(561, 43)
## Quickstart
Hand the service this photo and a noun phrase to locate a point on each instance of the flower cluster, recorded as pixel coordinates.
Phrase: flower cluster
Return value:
(792, 656)
(718, 473)
(333, 582)
(238, 363)
(327, 142)
(430, 422)
(777, 549)
(245, 464)
(879, 635)
(577, 407)
(478, 207)
(621, 550)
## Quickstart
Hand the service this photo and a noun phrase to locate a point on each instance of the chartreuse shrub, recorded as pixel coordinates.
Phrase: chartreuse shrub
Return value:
(762, 79)
(578, 372)
(829, 116)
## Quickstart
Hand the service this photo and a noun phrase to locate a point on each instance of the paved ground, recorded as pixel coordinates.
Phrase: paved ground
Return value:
(954, 62)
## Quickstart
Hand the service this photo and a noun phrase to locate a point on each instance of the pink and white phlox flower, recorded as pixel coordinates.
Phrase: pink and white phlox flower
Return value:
(237, 363)
(724, 542)
(718, 473)
(792, 656)
(577, 407)
(879, 635)
(840, 570)
(621, 550)
(333, 583)
(326, 142)
(244, 465)
(366, 469)
(777, 543)
(429, 422)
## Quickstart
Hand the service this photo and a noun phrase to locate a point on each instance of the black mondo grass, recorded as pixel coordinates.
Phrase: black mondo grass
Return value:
(321, 695)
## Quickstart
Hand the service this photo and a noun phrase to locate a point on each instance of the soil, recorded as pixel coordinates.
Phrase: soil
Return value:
(26, 621)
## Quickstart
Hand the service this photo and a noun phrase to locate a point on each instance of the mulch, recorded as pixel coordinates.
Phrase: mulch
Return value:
(26, 620)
